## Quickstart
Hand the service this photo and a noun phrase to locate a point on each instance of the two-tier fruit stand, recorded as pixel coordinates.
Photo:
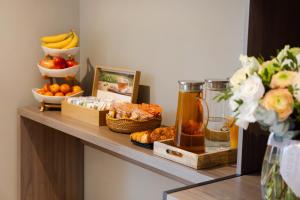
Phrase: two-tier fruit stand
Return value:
(58, 75)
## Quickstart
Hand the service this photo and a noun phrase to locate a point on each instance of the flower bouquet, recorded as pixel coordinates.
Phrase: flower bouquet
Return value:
(268, 92)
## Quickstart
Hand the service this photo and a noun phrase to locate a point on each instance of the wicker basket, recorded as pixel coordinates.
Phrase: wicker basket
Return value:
(129, 126)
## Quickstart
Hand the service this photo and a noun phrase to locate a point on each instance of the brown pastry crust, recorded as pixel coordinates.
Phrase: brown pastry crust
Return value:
(140, 112)
(141, 137)
(163, 133)
(158, 134)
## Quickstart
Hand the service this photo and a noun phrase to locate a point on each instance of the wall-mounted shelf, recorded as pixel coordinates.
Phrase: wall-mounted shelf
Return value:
(55, 141)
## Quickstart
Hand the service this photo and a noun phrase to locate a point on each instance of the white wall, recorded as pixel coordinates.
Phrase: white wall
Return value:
(22, 24)
(167, 40)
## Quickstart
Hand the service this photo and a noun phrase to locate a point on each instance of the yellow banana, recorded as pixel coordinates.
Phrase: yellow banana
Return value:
(73, 43)
(55, 38)
(59, 45)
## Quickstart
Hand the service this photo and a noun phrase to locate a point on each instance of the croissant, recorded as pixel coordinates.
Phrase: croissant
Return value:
(158, 134)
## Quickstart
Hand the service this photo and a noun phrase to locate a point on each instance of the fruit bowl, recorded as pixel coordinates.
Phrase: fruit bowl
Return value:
(52, 99)
(60, 52)
(70, 71)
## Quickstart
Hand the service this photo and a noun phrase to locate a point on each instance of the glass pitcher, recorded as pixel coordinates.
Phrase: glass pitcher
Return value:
(218, 127)
(192, 116)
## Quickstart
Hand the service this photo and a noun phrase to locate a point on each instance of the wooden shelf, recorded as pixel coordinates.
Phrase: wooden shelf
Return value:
(243, 187)
(119, 145)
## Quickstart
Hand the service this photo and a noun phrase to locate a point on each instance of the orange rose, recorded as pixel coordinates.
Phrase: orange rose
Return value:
(279, 100)
(282, 79)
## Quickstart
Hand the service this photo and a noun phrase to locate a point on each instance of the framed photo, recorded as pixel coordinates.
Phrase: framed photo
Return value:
(116, 83)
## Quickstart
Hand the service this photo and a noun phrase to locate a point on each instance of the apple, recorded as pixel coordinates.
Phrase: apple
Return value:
(71, 62)
(47, 62)
(59, 62)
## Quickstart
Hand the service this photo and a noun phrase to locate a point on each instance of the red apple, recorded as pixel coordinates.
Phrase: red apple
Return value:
(59, 62)
(71, 62)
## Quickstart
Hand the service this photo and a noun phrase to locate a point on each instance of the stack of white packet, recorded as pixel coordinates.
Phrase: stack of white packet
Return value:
(96, 103)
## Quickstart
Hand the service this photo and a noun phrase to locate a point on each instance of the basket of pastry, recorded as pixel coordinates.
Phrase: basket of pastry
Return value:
(129, 118)
(147, 138)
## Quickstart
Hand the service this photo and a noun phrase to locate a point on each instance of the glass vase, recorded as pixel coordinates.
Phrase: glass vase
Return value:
(272, 184)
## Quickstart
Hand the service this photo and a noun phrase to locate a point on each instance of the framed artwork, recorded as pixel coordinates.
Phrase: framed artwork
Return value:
(116, 83)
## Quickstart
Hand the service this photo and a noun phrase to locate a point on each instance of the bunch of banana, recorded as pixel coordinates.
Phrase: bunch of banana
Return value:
(61, 41)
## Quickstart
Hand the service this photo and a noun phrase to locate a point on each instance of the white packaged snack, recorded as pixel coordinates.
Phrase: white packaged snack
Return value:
(96, 103)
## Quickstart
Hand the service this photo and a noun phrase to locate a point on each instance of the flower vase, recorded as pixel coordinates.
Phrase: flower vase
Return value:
(272, 184)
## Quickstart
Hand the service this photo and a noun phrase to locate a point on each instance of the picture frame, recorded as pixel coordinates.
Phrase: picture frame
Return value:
(116, 82)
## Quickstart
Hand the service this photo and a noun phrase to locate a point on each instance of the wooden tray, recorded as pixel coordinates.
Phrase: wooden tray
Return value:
(87, 115)
(213, 157)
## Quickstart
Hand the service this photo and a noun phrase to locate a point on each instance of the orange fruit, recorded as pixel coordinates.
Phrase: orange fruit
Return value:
(54, 88)
(76, 89)
(48, 94)
(69, 94)
(59, 94)
(40, 91)
(46, 87)
(65, 88)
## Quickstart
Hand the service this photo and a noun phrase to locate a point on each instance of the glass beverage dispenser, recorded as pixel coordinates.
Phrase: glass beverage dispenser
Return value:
(218, 127)
(191, 117)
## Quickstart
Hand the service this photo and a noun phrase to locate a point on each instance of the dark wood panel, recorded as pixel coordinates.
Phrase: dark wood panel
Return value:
(51, 163)
(254, 146)
(272, 24)
(74, 168)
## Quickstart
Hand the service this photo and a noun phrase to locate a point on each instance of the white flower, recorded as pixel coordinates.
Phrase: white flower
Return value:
(249, 66)
(287, 62)
(247, 111)
(283, 52)
(246, 114)
(298, 58)
(296, 87)
(238, 77)
(252, 89)
(249, 62)
(244, 101)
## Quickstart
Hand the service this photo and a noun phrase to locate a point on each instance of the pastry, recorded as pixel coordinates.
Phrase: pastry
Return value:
(141, 137)
(147, 137)
(140, 112)
(162, 134)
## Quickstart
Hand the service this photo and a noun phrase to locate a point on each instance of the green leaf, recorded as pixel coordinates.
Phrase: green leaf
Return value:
(266, 72)
(224, 95)
(239, 101)
(291, 89)
(260, 59)
(292, 57)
